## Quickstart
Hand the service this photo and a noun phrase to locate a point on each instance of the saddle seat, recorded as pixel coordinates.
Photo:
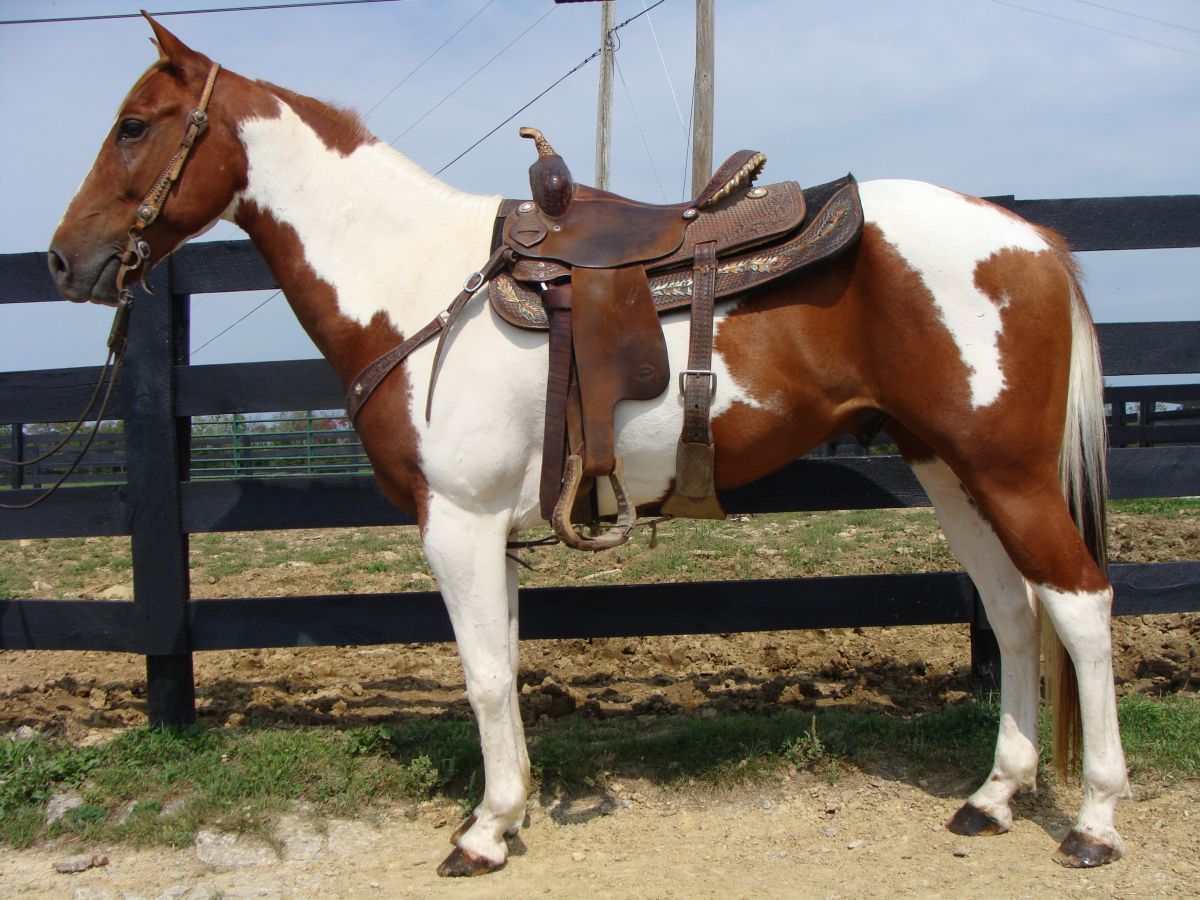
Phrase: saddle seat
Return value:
(581, 262)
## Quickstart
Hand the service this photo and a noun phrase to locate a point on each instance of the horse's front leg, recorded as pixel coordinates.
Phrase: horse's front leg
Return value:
(466, 552)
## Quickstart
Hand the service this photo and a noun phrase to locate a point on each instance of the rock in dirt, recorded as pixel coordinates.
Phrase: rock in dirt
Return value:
(226, 852)
(200, 891)
(81, 863)
(59, 804)
(24, 733)
(962, 851)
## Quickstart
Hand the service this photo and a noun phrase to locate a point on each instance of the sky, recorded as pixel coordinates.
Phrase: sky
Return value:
(1036, 98)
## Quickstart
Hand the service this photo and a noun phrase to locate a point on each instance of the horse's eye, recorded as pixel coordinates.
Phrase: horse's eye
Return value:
(130, 129)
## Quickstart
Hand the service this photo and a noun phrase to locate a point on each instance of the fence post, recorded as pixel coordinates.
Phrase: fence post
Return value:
(985, 651)
(160, 548)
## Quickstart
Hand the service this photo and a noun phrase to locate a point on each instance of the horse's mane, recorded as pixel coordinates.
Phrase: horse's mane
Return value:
(341, 129)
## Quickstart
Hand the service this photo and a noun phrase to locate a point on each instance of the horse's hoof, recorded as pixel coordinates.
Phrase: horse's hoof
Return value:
(462, 829)
(1082, 851)
(972, 821)
(463, 864)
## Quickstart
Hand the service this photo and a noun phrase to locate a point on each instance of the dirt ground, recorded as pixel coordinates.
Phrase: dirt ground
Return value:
(869, 833)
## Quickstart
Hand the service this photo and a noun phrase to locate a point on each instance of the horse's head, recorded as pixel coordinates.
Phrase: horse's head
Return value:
(113, 218)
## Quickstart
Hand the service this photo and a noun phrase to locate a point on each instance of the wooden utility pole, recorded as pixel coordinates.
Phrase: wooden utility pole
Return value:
(608, 16)
(702, 97)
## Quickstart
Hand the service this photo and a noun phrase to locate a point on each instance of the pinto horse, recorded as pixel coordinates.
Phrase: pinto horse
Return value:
(960, 322)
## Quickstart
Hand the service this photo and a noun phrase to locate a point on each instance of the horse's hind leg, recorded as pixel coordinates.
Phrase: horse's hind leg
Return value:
(1012, 615)
(466, 552)
(1030, 517)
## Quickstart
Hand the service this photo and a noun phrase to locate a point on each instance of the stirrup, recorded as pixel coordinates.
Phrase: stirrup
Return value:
(561, 520)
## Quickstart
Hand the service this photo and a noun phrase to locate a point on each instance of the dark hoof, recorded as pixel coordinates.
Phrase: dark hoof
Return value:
(461, 864)
(462, 829)
(1082, 851)
(972, 821)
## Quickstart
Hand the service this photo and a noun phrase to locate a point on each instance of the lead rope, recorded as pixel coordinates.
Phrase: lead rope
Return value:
(112, 365)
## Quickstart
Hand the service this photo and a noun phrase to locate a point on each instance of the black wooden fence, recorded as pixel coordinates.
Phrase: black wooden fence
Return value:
(160, 505)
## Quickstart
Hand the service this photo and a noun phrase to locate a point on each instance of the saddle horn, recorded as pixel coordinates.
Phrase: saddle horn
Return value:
(549, 178)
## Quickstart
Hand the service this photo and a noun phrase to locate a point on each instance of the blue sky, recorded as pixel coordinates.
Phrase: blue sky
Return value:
(978, 95)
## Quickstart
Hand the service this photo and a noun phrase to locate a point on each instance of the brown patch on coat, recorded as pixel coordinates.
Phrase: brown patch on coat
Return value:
(340, 129)
(385, 424)
(823, 353)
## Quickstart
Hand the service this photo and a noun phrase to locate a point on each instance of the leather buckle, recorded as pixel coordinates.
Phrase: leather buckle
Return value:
(712, 389)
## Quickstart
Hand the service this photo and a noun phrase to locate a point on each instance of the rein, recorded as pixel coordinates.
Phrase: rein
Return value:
(134, 257)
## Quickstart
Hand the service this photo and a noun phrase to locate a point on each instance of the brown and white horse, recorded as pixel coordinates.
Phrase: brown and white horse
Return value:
(959, 321)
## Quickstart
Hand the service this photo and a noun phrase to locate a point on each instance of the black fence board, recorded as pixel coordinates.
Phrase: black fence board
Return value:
(101, 510)
(256, 387)
(54, 395)
(25, 278)
(111, 625)
(216, 266)
(1152, 588)
(1119, 223)
(257, 504)
(1150, 348)
(722, 607)
(1153, 472)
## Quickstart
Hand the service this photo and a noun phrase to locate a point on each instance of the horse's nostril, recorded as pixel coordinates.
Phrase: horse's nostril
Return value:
(58, 265)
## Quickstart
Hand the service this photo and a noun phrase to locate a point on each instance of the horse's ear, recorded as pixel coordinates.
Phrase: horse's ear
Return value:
(170, 48)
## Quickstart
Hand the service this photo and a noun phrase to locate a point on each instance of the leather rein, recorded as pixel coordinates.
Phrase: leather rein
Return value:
(133, 258)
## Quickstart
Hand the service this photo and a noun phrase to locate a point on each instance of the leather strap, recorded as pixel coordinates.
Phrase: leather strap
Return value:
(558, 308)
(366, 381)
(694, 495)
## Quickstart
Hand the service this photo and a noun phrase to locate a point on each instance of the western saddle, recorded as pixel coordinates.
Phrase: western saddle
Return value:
(596, 270)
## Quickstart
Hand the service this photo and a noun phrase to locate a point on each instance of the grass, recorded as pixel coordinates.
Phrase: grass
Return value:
(160, 786)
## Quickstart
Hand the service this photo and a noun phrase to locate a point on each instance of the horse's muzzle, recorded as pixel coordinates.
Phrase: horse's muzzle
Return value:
(94, 281)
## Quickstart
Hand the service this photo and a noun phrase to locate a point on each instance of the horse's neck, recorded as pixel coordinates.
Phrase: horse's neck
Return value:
(352, 229)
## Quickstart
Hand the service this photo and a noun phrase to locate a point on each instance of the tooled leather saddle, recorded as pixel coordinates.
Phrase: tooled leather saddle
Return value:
(596, 270)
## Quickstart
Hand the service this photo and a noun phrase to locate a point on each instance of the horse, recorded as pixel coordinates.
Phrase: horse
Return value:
(959, 321)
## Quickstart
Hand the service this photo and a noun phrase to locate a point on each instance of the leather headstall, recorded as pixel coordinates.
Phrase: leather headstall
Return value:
(137, 250)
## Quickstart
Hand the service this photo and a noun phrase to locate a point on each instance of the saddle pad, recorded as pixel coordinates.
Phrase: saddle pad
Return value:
(834, 223)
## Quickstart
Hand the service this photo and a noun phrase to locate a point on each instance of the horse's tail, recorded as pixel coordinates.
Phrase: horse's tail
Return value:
(1082, 470)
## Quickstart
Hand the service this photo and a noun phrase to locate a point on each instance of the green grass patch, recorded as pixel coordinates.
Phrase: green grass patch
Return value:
(1157, 506)
(160, 786)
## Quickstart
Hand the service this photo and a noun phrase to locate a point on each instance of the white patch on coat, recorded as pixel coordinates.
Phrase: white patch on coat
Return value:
(375, 226)
(943, 237)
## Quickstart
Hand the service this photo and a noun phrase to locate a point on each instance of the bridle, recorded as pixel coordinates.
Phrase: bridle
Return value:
(137, 250)
(133, 258)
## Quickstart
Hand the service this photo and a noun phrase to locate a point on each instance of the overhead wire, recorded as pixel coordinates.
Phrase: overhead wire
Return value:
(1131, 15)
(1040, 12)
(636, 121)
(399, 84)
(545, 91)
(193, 12)
(472, 76)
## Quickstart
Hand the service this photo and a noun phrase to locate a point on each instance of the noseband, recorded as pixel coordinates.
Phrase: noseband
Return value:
(137, 250)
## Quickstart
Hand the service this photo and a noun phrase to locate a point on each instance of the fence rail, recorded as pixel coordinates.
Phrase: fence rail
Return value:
(164, 499)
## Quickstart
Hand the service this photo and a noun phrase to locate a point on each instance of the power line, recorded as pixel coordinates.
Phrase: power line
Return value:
(1123, 34)
(421, 64)
(1122, 12)
(547, 90)
(193, 12)
(471, 77)
(233, 325)
(638, 123)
